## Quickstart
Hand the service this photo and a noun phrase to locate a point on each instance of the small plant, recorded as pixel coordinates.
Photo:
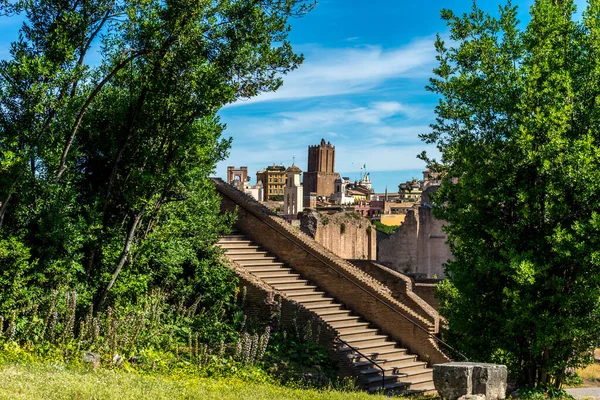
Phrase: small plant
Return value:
(342, 228)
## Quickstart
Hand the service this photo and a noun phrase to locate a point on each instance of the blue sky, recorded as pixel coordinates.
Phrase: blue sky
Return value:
(362, 87)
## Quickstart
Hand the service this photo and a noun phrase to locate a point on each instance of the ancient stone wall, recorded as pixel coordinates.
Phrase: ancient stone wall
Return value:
(418, 246)
(432, 251)
(348, 284)
(347, 235)
(399, 249)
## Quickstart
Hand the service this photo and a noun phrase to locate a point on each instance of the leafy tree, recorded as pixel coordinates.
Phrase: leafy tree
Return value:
(518, 129)
(388, 229)
(104, 167)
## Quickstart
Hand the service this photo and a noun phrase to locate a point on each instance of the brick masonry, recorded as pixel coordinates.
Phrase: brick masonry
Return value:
(353, 287)
(402, 288)
(261, 306)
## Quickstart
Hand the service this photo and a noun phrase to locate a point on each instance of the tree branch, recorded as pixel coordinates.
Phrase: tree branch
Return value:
(62, 166)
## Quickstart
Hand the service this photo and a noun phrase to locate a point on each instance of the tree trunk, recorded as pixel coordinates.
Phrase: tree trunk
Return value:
(123, 258)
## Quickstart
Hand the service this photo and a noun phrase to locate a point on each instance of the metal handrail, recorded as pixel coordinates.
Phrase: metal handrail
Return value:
(354, 349)
(326, 262)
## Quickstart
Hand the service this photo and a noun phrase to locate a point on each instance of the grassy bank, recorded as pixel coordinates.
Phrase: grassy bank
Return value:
(57, 381)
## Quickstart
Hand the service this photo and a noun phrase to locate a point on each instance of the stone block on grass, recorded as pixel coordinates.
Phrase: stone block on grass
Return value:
(459, 379)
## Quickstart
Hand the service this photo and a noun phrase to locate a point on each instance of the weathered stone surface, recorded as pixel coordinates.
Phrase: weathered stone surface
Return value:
(452, 380)
(490, 380)
(458, 379)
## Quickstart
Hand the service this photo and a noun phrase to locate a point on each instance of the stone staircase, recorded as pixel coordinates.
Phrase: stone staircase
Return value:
(403, 371)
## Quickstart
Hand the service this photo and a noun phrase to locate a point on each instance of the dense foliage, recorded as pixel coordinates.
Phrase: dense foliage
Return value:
(518, 127)
(150, 335)
(104, 163)
(388, 229)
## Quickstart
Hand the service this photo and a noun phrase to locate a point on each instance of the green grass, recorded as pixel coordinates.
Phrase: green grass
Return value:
(57, 381)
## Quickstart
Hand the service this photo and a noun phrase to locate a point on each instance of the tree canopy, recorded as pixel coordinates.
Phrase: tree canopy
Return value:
(518, 128)
(109, 131)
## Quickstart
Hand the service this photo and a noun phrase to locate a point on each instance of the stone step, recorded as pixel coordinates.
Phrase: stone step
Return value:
(385, 355)
(259, 263)
(375, 379)
(292, 279)
(300, 294)
(347, 324)
(423, 384)
(246, 250)
(388, 359)
(241, 243)
(275, 274)
(309, 297)
(366, 343)
(309, 301)
(372, 350)
(320, 308)
(232, 237)
(260, 269)
(357, 333)
(328, 315)
(406, 368)
(291, 287)
(251, 257)
(342, 317)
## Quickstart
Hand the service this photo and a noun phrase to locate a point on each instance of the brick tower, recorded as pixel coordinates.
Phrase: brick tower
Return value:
(320, 175)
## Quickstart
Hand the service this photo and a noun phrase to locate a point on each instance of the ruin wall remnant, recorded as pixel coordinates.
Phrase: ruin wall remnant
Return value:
(347, 235)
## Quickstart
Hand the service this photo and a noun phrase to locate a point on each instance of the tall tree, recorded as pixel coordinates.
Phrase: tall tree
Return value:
(103, 178)
(517, 127)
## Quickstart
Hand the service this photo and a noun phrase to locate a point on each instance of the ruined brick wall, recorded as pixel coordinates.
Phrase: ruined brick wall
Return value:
(402, 288)
(347, 235)
(351, 286)
(418, 246)
(399, 249)
(432, 251)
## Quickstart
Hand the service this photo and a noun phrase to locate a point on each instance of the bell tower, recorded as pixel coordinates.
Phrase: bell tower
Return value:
(320, 175)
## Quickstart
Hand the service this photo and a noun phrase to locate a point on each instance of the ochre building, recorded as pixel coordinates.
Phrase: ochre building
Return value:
(273, 181)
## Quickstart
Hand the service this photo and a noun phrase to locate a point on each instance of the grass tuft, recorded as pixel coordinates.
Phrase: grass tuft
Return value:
(59, 381)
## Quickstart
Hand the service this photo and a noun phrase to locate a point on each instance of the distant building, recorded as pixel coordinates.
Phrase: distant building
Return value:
(366, 181)
(320, 175)
(359, 194)
(340, 194)
(237, 177)
(292, 194)
(255, 191)
(410, 191)
(273, 182)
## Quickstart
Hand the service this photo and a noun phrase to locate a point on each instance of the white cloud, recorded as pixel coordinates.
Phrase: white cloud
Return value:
(318, 119)
(383, 134)
(328, 72)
